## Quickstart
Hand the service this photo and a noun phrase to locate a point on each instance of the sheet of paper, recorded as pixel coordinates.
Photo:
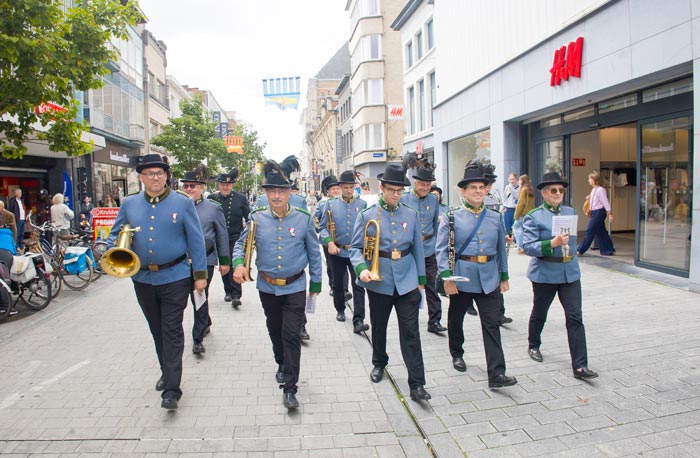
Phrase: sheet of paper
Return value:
(564, 223)
(199, 299)
(311, 303)
(456, 278)
(423, 300)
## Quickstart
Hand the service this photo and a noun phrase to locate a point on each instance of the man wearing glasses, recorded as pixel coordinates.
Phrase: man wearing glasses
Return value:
(554, 270)
(169, 231)
(401, 271)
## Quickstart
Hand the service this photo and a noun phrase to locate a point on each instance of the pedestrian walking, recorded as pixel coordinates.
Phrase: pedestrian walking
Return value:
(19, 209)
(600, 209)
(286, 243)
(471, 243)
(554, 270)
(510, 201)
(331, 190)
(169, 231)
(213, 223)
(61, 214)
(236, 210)
(397, 253)
(289, 166)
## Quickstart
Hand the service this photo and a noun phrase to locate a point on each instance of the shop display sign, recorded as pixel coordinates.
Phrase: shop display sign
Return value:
(102, 221)
(567, 62)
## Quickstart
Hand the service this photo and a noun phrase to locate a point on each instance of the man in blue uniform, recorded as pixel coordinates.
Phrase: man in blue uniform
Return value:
(428, 207)
(330, 189)
(343, 211)
(289, 165)
(484, 262)
(286, 243)
(169, 230)
(402, 272)
(554, 270)
(211, 218)
(236, 211)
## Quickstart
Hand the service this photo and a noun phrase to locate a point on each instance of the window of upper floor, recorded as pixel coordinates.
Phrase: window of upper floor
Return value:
(364, 8)
(419, 45)
(368, 48)
(409, 54)
(429, 36)
(370, 92)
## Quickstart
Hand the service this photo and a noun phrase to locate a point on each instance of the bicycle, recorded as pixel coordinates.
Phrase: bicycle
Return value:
(40, 245)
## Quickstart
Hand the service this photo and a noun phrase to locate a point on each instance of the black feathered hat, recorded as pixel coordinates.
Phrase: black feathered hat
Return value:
(552, 178)
(274, 176)
(289, 165)
(394, 174)
(328, 183)
(347, 177)
(473, 171)
(230, 177)
(424, 170)
(198, 175)
(151, 160)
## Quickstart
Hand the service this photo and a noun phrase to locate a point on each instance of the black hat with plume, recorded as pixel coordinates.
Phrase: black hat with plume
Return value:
(274, 176)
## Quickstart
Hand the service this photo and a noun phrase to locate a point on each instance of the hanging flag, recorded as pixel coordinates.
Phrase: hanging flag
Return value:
(282, 92)
(67, 190)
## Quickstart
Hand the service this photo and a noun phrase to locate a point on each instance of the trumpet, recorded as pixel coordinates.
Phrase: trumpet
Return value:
(370, 248)
(249, 246)
(330, 224)
(120, 261)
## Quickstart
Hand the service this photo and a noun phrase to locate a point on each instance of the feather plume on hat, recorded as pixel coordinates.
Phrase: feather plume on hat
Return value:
(424, 164)
(234, 173)
(271, 167)
(201, 173)
(410, 160)
(289, 165)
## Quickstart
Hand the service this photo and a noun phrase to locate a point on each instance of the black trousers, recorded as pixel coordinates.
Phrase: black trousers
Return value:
(380, 306)
(489, 314)
(285, 316)
(231, 287)
(570, 298)
(202, 320)
(340, 268)
(164, 306)
(431, 296)
(329, 271)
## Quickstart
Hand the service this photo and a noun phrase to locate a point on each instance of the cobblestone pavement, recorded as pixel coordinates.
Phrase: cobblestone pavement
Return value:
(77, 380)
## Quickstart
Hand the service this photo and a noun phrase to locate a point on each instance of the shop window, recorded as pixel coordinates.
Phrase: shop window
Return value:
(476, 146)
(668, 90)
(581, 113)
(619, 103)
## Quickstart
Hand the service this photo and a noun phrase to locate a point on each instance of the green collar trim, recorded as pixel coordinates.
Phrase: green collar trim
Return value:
(551, 209)
(157, 199)
(386, 207)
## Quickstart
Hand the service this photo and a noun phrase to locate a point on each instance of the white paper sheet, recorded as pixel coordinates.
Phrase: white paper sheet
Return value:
(456, 278)
(423, 300)
(199, 299)
(564, 223)
(311, 303)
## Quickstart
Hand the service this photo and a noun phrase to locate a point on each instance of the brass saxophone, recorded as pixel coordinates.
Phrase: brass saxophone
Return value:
(370, 249)
(249, 246)
(330, 224)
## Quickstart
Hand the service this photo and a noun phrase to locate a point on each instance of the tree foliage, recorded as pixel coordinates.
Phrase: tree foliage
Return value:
(248, 162)
(191, 139)
(47, 53)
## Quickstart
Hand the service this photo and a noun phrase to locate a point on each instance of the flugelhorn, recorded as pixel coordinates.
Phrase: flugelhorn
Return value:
(330, 224)
(120, 261)
(370, 248)
(249, 246)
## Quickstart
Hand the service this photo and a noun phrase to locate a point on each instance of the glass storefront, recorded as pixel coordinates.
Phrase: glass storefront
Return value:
(665, 193)
(462, 150)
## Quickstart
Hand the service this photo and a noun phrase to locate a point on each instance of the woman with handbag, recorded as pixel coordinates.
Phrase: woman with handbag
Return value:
(471, 243)
(599, 208)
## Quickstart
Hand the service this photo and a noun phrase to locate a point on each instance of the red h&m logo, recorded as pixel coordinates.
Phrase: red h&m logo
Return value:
(567, 62)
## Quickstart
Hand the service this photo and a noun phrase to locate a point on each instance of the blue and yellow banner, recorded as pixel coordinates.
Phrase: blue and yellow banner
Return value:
(282, 92)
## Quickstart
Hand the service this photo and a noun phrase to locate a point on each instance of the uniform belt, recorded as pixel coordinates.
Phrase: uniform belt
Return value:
(394, 254)
(344, 247)
(428, 237)
(281, 281)
(167, 265)
(479, 259)
(557, 259)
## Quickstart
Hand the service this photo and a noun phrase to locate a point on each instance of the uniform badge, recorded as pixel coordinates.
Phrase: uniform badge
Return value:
(291, 231)
(403, 225)
(174, 217)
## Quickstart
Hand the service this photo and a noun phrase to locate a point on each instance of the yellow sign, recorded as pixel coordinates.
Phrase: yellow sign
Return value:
(233, 144)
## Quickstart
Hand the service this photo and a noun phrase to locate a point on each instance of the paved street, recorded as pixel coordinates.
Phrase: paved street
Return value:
(77, 380)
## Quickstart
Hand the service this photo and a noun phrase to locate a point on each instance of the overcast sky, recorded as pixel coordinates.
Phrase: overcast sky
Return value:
(229, 46)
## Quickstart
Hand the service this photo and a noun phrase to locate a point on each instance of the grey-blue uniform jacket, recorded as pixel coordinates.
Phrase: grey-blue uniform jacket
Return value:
(284, 245)
(399, 230)
(295, 200)
(489, 240)
(537, 242)
(213, 222)
(169, 229)
(428, 209)
(320, 208)
(344, 215)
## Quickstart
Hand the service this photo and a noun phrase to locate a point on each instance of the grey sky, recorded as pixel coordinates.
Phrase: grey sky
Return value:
(229, 46)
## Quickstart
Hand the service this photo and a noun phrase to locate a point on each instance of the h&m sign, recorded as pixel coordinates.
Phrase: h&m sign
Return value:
(567, 62)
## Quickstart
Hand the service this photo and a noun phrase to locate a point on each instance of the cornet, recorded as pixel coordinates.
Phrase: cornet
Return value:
(120, 261)
(370, 248)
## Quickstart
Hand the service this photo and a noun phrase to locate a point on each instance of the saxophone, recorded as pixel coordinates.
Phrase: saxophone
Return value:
(370, 249)
(330, 223)
(249, 246)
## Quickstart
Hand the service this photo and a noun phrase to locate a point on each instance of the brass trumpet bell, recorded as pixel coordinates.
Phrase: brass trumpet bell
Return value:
(120, 261)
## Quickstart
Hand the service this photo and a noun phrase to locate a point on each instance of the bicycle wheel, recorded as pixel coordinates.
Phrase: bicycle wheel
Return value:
(80, 280)
(56, 279)
(97, 267)
(37, 293)
(5, 303)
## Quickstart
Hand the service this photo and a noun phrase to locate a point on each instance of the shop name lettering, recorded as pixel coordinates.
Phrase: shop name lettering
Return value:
(567, 62)
(115, 156)
(658, 149)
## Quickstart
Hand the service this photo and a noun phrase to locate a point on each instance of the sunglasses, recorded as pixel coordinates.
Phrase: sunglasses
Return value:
(557, 190)
(189, 185)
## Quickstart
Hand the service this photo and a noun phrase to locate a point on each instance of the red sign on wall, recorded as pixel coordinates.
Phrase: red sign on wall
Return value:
(567, 62)
(578, 162)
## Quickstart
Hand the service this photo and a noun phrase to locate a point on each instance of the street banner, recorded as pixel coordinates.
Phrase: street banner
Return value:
(103, 219)
(67, 190)
(282, 92)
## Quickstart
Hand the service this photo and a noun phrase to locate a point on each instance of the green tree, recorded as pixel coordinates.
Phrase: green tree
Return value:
(248, 162)
(191, 139)
(47, 53)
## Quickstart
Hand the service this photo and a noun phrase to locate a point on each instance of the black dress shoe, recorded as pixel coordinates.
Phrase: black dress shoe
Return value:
(169, 403)
(471, 310)
(279, 375)
(459, 364)
(160, 384)
(236, 302)
(584, 373)
(535, 354)
(419, 394)
(504, 320)
(502, 380)
(198, 348)
(436, 328)
(359, 327)
(303, 335)
(348, 296)
(377, 374)
(340, 316)
(227, 298)
(290, 400)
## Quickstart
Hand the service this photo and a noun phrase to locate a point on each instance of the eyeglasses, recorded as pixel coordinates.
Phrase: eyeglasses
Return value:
(557, 190)
(189, 185)
(393, 191)
(152, 175)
